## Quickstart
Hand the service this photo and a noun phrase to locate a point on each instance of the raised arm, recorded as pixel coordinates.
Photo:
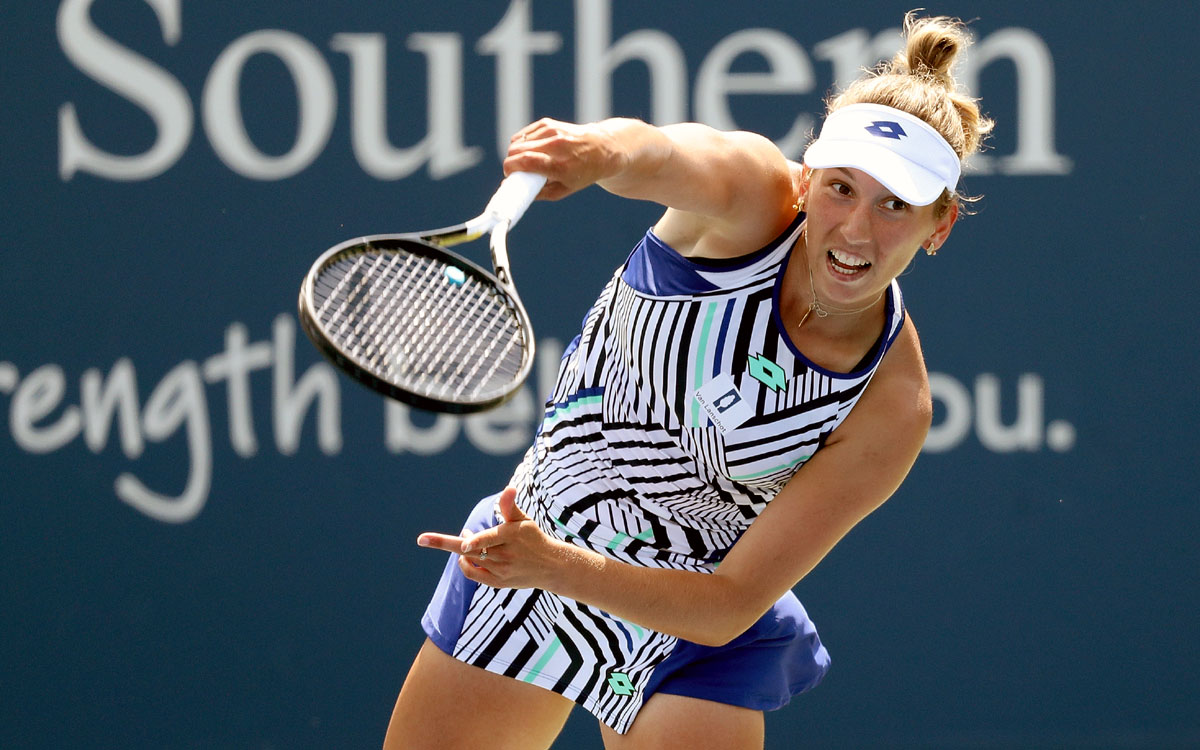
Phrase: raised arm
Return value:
(726, 193)
(863, 463)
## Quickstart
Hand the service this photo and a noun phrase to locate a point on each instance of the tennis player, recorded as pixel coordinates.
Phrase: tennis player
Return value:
(744, 391)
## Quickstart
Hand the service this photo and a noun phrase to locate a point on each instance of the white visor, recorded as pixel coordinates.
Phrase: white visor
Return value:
(903, 152)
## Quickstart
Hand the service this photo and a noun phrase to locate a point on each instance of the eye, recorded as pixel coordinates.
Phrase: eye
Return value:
(840, 188)
(895, 204)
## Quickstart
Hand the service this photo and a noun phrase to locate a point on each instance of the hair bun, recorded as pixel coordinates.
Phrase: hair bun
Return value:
(932, 48)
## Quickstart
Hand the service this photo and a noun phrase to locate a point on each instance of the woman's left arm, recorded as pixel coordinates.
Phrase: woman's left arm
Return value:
(863, 463)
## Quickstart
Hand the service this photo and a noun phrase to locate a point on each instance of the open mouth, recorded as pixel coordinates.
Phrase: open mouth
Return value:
(847, 265)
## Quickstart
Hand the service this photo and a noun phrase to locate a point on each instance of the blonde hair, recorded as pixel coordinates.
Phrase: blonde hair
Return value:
(920, 81)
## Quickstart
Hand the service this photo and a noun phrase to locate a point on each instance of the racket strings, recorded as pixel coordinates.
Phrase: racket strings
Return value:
(432, 353)
(437, 365)
(403, 318)
(441, 356)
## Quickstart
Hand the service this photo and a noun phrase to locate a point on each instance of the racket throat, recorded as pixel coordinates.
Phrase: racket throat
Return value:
(498, 243)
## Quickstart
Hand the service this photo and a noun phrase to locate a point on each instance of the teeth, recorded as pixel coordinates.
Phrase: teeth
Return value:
(847, 261)
(845, 264)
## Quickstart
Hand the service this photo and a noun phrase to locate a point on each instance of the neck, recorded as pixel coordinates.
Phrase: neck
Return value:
(824, 309)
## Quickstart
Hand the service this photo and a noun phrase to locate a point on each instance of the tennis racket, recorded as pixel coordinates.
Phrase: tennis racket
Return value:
(419, 323)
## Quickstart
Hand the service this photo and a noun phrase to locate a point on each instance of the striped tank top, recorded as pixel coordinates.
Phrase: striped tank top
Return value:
(679, 411)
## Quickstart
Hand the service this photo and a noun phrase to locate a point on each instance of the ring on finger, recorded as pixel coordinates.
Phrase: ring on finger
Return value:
(483, 554)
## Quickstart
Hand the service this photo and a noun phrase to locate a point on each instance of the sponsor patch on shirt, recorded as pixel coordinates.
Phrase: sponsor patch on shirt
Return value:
(723, 403)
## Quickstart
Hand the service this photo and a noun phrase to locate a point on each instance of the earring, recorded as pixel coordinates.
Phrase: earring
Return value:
(932, 249)
(798, 206)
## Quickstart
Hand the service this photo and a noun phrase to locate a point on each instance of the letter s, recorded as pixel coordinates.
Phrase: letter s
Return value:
(135, 78)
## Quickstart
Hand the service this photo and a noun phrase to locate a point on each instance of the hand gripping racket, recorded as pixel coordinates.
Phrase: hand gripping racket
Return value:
(421, 324)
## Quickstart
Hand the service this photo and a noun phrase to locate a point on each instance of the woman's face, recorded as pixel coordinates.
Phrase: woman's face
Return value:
(860, 236)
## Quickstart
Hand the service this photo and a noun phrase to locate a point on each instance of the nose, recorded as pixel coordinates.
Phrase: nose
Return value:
(856, 228)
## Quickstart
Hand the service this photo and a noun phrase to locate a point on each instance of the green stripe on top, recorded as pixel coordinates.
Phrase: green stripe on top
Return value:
(701, 360)
(764, 472)
(537, 668)
(566, 409)
(638, 631)
(621, 536)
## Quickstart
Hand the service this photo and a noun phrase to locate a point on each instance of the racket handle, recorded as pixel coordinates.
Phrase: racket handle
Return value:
(514, 195)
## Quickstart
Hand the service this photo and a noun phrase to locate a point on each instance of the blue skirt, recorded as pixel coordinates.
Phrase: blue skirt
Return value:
(779, 656)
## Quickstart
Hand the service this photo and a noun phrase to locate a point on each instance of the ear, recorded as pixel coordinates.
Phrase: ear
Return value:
(943, 226)
(801, 178)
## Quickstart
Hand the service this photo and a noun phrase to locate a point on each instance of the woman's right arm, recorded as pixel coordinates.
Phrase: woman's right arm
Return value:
(726, 193)
(864, 461)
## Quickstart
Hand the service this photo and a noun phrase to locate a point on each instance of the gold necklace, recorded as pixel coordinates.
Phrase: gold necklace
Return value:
(816, 307)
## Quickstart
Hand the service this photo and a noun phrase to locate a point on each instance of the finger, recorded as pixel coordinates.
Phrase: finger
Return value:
(508, 506)
(538, 162)
(524, 133)
(475, 572)
(532, 130)
(444, 542)
(481, 541)
(521, 158)
(555, 191)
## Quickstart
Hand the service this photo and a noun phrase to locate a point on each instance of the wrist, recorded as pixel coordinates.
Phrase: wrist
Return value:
(624, 144)
(569, 568)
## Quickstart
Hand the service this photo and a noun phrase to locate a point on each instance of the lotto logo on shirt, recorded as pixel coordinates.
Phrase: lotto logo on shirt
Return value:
(620, 684)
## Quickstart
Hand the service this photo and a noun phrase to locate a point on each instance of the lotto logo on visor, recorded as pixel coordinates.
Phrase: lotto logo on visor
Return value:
(886, 129)
(903, 152)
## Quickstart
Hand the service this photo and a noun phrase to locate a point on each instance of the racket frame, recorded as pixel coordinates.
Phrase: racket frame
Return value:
(506, 207)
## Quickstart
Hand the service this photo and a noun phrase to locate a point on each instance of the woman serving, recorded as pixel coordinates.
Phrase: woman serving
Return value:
(746, 389)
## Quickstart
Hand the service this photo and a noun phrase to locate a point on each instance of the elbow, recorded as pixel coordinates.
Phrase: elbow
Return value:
(715, 638)
(716, 634)
(723, 619)
(706, 634)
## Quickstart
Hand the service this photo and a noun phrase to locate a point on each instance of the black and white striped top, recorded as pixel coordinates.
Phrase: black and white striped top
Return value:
(679, 412)
(682, 409)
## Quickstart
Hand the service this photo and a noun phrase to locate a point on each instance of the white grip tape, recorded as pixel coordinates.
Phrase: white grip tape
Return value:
(514, 195)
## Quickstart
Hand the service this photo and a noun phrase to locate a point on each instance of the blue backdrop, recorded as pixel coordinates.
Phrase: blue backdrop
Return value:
(207, 537)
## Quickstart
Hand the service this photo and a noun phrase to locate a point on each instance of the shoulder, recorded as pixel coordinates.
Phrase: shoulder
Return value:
(745, 195)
